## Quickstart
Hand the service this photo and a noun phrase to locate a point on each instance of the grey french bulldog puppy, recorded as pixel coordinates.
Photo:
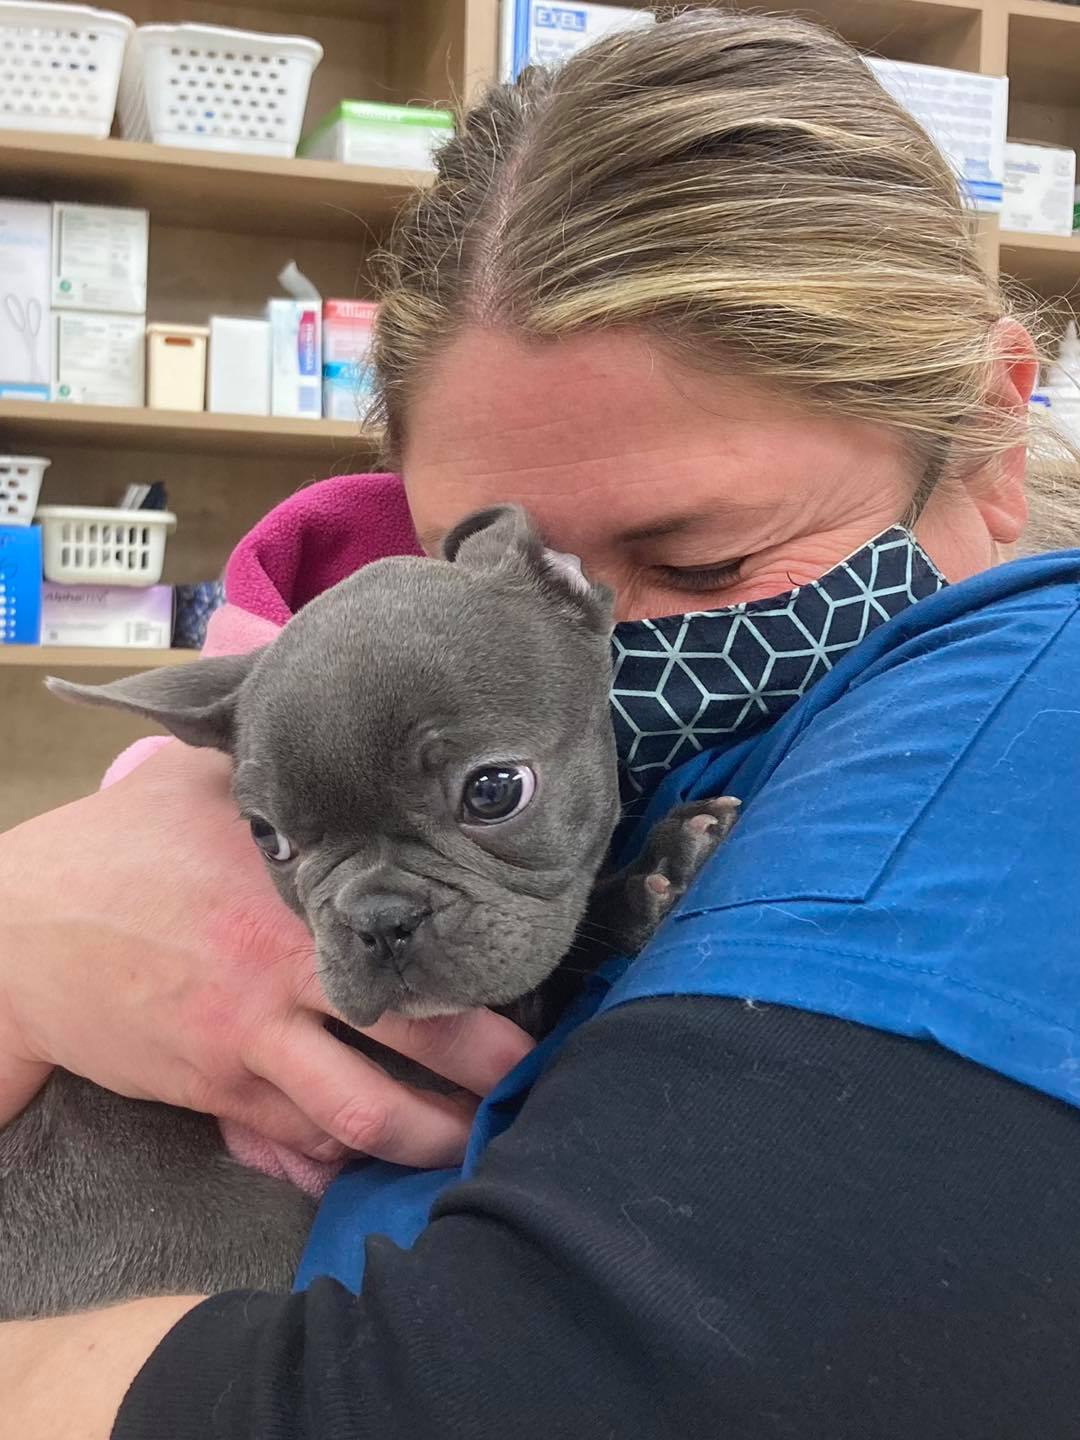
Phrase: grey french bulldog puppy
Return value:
(426, 760)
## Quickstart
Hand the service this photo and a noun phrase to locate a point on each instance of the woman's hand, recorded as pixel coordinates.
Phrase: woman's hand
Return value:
(143, 946)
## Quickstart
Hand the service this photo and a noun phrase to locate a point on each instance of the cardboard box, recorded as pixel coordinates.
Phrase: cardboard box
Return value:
(238, 371)
(99, 359)
(534, 33)
(964, 114)
(107, 615)
(1039, 182)
(99, 258)
(296, 358)
(347, 378)
(365, 132)
(25, 230)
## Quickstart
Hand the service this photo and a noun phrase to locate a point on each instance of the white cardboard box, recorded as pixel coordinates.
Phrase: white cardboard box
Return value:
(296, 358)
(532, 32)
(107, 615)
(1039, 181)
(367, 132)
(99, 258)
(238, 373)
(25, 228)
(963, 113)
(98, 359)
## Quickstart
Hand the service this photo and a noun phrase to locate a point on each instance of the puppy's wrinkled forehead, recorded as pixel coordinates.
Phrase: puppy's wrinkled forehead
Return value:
(412, 663)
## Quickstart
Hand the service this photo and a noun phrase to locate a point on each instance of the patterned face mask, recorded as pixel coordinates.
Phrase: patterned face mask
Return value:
(686, 683)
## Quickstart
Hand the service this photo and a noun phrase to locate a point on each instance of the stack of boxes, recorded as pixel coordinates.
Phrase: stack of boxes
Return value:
(74, 309)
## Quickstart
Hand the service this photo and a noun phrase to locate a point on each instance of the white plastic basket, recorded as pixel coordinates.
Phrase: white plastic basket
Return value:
(208, 88)
(20, 482)
(88, 546)
(59, 67)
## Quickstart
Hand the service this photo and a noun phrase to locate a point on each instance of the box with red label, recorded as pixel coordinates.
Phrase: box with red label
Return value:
(346, 374)
(296, 358)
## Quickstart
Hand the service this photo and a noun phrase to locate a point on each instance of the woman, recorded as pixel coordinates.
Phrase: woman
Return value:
(708, 305)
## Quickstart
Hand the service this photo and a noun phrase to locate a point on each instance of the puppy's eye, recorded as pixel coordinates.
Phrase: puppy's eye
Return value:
(271, 842)
(497, 792)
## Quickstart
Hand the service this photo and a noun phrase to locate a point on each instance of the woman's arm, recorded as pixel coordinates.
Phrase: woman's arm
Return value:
(710, 1220)
(142, 946)
(67, 1377)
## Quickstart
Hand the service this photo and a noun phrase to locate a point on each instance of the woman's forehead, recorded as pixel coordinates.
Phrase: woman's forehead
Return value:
(609, 432)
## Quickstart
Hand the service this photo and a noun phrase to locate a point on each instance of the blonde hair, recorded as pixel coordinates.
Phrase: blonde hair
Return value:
(742, 188)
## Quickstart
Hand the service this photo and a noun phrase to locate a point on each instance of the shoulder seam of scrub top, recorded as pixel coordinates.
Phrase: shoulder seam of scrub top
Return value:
(860, 896)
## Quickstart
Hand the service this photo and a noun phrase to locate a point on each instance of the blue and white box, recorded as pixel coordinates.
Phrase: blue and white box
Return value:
(964, 114)
(25, 241)
(535, 33)
(20, 584)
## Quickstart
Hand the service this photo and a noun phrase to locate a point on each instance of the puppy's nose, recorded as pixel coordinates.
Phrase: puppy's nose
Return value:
(385, 924)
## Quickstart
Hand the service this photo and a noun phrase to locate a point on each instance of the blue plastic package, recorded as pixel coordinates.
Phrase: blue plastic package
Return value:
(20, 584)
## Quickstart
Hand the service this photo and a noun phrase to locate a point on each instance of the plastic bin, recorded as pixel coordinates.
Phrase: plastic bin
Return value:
(209, 88)
(176, 366)
(20, 483)
(84, 545)
(20, 585)
(60, 67)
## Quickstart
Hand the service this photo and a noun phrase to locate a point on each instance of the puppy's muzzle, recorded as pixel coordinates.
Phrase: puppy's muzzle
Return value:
(385, 925)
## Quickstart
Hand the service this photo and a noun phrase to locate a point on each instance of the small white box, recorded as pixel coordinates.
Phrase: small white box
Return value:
(296, 358)
(347, 377)
(238, 380)
(176, 366)
(1039, 181)
(963, 113)
(107, 615)
(25, 228)
(535, 32)
(99, 258)
(367, 132)
(98, 359)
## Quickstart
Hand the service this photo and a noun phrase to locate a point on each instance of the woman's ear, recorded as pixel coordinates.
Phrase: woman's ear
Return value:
(998, 488)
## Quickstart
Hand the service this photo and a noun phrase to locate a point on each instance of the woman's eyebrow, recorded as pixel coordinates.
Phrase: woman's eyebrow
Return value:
(694, 520)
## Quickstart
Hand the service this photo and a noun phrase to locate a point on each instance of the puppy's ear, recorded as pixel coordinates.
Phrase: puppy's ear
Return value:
(197, 702)
(505, 537)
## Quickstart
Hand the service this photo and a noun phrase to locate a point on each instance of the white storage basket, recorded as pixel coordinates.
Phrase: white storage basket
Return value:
(20, 482)
(208, 88)
(87, 546)
(59, 67)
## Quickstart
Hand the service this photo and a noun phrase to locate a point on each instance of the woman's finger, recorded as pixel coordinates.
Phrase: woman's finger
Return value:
(269, 1115)
(356, 1103)
(474, 1049)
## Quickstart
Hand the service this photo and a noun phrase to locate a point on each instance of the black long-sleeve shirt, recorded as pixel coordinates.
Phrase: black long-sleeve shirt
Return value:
(711, 1221)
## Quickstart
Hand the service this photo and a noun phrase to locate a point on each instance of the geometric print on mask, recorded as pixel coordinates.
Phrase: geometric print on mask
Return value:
(684, 683)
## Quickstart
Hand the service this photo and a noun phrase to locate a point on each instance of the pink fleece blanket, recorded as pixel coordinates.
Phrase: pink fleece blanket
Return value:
(310, 542)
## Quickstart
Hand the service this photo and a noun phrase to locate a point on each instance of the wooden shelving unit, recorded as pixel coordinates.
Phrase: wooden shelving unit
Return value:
(201, 188)
(56, 658)
(28, 422)
(223, 225)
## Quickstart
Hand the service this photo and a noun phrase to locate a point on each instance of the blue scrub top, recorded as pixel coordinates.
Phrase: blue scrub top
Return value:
(908, 857)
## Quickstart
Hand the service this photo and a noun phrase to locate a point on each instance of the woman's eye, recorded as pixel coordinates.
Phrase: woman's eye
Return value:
(271, 842)
(702, 577)
(497, 792)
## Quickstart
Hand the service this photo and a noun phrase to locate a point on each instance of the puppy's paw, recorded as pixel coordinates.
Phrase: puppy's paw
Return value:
(676, 850)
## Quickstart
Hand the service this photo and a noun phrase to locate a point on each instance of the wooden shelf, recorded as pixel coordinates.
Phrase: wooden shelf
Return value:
(34, 422)
(89, 657)
(1049, 264)
(1044, 53)
(248, 193)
